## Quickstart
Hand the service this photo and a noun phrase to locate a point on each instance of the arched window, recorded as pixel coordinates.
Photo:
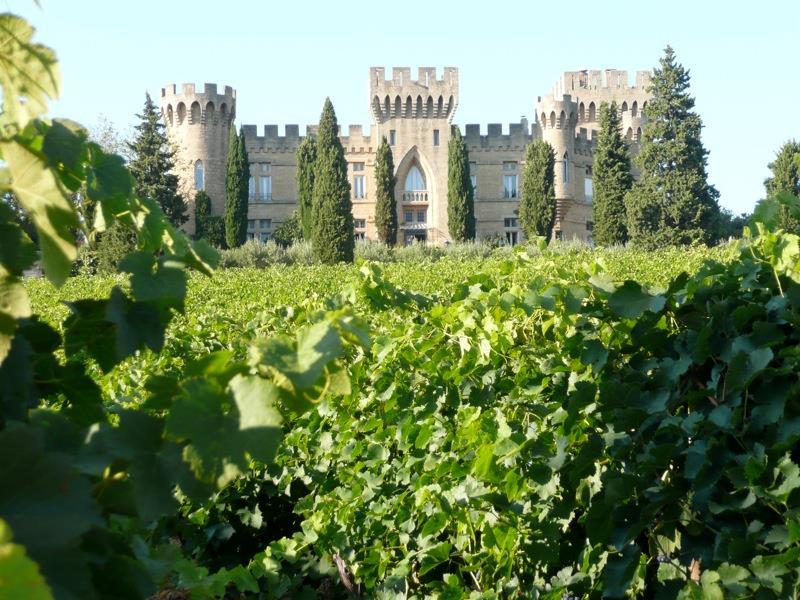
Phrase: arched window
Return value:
(415, 182)
(429, 107)
(552, 118)
(398, 107)
(223, 111)
(624, 106)
(419, 107)
(409, 107)
(566, 167)
(562, 119)
(592, 112)
(638, 134)
(581, 112)
(440, 107)
(629, 134)
(181, 113)
(170, 117)
(635, 109)
(387, 108)
(209, 112)
(199, 175)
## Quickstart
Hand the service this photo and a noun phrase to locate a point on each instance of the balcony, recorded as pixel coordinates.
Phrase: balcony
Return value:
(260, 198)
(415, 196)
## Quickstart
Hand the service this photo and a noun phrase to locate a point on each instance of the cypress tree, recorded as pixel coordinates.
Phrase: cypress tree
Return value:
(460, 194)
(237, 181)
(385, 202)
(612, 179)
(202, 211)
(785, 178)
(333, 239)
(152, 165)
(306, 156)
(537, 202)
(673, 202)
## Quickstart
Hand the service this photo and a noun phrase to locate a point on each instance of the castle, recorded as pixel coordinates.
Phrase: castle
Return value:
(416, 117)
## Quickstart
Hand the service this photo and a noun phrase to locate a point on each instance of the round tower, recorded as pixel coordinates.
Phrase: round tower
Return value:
(557, 117)
(199, 123)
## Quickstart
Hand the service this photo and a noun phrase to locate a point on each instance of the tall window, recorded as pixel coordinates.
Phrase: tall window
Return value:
(251, 224)
(252, 188)
(566, 167)
(415, 181)
(588, 186)
(435, 137)
(510, 186)
(473, 175)
(199, 176)
(409, 216)
(422, 216)
(265, 223)
(510, 179)
(265, 187)
(359, 190)
(266, 167)
(392, 137)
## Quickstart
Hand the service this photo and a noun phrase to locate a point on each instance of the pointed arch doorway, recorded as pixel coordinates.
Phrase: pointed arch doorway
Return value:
(414, 210)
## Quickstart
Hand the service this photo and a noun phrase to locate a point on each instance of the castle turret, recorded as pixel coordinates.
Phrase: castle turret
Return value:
(199, 123)
(557, 117)
(415, 116)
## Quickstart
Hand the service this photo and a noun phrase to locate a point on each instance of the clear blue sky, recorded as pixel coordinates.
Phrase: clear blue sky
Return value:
(285, 57)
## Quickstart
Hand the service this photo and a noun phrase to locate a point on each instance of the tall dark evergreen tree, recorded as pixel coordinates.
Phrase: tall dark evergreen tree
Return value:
(537, 201)
(673, 202)
(202, 211)
(153, 162)
(237, 191)
(333, 238)
(785, 179)
(612, 179)
(385, 201)
(306, 156)
(460, 193)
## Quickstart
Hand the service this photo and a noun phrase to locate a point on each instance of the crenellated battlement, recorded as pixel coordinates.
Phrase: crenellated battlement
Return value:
(556, 112)
(185, 105)
(401, 97)
(518, 135)
(572, 82)
(270, 138)
(590, 88)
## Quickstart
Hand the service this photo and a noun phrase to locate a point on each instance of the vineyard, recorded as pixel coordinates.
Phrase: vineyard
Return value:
(549, 423)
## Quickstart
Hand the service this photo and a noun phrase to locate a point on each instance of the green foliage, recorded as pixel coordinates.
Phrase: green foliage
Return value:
(112, 246)
(237, 182)
(85, 476)
(785, 179)
(289, 232)
(537, 205)
(460, 193)
(333, 239)
(153, 164)
(672, 203)
(202, 210)
(385, 201)
(612, 178)
(306, 157)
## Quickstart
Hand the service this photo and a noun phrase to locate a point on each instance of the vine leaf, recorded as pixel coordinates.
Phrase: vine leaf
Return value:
(19, 575)
(39, 192)
(29, 73)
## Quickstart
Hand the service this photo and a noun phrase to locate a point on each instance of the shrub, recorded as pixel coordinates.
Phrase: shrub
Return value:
(253, 254)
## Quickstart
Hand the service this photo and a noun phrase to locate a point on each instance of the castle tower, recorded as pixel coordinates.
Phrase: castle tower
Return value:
(557, 117)
(199, 124)
(415, 116)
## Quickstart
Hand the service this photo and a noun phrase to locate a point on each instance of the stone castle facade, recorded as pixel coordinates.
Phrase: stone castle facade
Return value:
(416, 116)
